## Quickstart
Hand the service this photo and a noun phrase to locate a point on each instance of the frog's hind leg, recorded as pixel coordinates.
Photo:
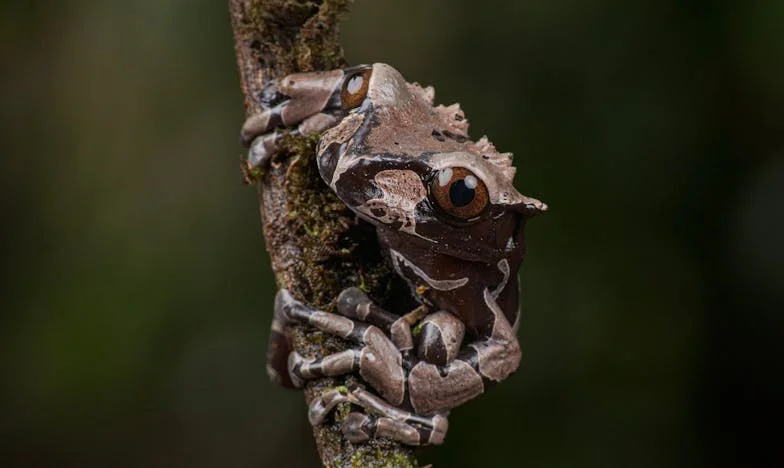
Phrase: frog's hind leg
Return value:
(380, 419)
(374, 356)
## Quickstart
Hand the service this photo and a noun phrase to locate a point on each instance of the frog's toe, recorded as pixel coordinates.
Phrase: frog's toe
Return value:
(359, 427)
(262, 149)
(259, 124)
(264, 144)
(302, 369)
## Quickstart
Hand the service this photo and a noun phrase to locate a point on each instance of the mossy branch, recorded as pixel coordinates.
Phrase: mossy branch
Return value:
(315, 245)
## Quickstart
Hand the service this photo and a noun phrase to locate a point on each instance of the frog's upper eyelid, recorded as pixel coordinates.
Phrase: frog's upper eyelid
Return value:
(336, 99)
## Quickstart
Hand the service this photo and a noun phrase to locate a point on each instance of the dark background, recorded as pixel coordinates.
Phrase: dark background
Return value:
(136, 293)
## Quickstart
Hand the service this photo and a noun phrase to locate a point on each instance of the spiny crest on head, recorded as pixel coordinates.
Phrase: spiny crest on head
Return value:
(455, 120)
(426, 93)
(502, 160)
(452, 116)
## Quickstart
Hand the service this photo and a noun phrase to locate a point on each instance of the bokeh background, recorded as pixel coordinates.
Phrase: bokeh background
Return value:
(136, 292)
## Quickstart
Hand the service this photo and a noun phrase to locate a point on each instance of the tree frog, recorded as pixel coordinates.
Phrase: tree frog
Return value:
(450, 222)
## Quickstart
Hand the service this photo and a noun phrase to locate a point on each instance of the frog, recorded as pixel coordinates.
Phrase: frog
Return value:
(450, 223)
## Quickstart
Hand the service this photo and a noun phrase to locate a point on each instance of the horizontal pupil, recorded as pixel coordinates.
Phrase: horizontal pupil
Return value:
(460, 194)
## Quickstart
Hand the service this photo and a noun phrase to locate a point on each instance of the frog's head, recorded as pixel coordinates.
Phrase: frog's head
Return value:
(443, 203)
(401, 162)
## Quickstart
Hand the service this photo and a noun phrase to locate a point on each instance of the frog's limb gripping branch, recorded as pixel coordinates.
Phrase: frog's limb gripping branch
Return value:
(308, 231)
(384, 420)
(377, 359)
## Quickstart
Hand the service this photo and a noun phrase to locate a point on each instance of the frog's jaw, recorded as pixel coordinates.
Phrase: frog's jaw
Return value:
(530, 207)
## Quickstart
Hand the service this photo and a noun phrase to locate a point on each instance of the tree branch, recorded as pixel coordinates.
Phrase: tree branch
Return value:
(315, 245)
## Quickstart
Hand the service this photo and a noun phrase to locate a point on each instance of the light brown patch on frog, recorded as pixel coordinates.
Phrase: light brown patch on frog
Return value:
(401, 190)
(341, 132)
(407, 124)
(420, 128)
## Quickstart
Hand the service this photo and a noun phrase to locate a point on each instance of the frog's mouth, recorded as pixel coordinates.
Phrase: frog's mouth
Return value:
(530, 207)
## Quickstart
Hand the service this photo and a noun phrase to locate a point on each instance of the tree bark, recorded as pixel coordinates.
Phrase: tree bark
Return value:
(315, 244)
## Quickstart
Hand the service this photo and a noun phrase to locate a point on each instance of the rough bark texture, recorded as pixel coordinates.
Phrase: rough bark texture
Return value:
(315, 245)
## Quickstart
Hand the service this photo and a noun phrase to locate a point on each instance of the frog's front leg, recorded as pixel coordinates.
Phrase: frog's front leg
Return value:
(486, 361)
(307, 103)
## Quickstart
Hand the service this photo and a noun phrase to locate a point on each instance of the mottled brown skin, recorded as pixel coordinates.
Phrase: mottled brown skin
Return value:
(450, 223)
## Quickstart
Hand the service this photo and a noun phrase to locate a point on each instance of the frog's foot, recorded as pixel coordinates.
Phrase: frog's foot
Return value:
(374, 356)
(263, 146)
(312, 102)
(380, 419)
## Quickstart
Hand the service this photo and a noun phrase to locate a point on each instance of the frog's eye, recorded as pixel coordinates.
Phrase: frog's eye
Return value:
(459, 193)
(355, 89)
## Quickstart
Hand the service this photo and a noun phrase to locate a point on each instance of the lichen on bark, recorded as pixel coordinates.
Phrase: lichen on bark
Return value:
(315, 245)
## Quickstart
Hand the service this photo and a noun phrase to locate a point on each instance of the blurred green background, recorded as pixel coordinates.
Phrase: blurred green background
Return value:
(136, 292)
